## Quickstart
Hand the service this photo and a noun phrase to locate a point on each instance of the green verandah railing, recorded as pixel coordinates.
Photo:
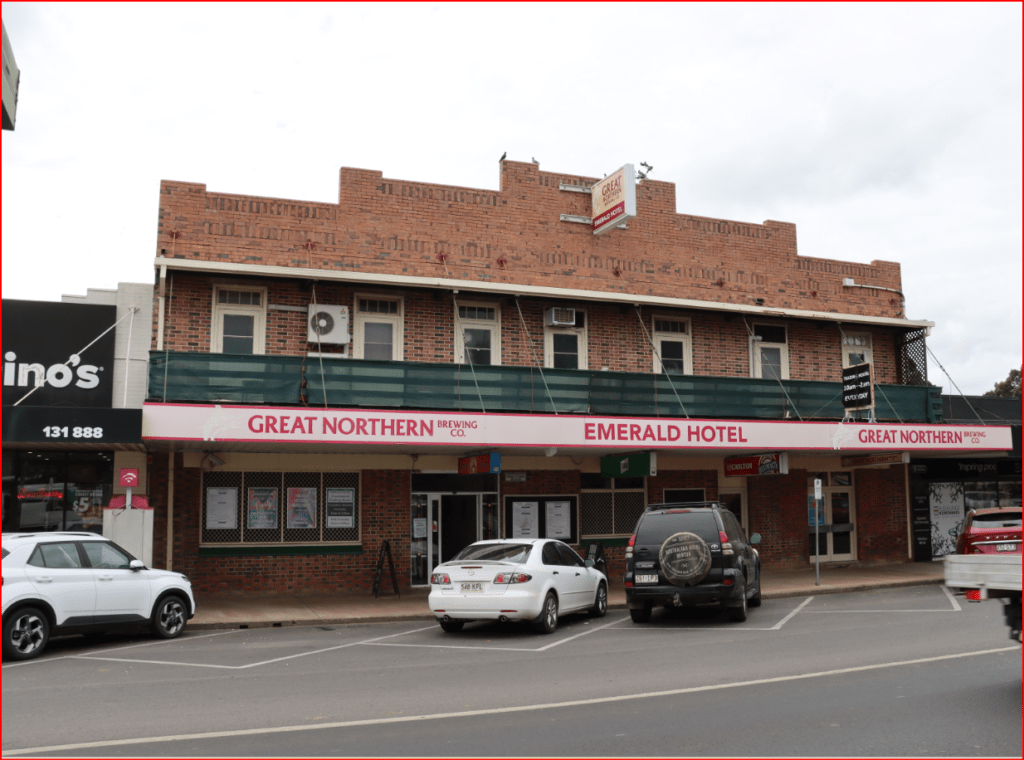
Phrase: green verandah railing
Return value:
(278, 380)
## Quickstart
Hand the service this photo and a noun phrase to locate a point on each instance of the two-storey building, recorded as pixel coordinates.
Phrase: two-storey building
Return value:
(318, 371)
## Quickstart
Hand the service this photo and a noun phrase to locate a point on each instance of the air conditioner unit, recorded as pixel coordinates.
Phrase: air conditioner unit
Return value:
(558, 316)
(327, 324)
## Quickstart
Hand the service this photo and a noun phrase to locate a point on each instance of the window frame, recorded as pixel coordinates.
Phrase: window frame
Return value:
(756, 369)
(219, 310)
(868, 351)
(360, 318)
(466, 323)
(617, 531)
(685, 338)
(582, 344)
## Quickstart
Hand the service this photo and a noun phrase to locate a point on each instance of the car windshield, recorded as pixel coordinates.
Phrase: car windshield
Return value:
(998, 520)
(498, 552)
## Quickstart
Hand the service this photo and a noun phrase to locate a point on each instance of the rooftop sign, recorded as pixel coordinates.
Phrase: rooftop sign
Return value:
(613, 199)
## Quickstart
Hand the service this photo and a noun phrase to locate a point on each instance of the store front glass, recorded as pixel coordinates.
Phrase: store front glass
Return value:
(49, 490)
(835, 536)
(442, 525)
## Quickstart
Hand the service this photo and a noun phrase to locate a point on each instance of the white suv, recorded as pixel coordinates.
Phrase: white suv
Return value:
(63, 583)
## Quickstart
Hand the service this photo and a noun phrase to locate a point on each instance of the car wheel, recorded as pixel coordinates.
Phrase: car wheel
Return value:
(168, 618)
(641, 614)
(25, 634)
(600, 607)
(738, 613)
(549, 616)
(451, 626)
(685, 559)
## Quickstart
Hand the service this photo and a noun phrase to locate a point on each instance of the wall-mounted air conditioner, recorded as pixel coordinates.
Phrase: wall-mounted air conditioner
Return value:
(327, 324)
(558, 316)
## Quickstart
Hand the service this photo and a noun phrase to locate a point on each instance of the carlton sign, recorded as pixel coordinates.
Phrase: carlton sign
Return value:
(188, 422)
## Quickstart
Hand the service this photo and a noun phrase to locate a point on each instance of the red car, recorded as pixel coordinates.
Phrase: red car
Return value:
(991, 531)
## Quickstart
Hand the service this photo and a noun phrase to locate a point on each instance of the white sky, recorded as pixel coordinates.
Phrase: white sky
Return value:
(883, 131)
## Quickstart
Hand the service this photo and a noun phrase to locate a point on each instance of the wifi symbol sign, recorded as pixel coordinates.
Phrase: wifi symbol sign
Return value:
(129, 478)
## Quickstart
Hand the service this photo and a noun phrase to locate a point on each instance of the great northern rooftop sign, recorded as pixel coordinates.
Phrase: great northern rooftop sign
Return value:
(185, 422)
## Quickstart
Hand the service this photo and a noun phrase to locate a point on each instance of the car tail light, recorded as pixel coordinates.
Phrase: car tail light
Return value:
(629, 546)
(442, 579)
(728, 581)
(973, 595)
(726, 546)
(512, 578)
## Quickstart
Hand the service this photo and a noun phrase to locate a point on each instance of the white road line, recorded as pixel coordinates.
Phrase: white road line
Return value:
(952, 599)
(791, 615)
(251, 664)
(451, 646)
(857, 612)
(497, 710)
(115, 649)
(570, 638)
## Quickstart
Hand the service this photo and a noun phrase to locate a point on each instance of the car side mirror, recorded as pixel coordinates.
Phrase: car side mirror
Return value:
(136, 565)
(755, 539)
(589, 562)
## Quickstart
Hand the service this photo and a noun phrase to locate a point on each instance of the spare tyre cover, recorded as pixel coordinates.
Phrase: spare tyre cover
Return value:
(685, 559)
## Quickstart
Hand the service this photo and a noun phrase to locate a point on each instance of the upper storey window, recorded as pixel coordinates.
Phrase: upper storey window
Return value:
(477, 334)
(565, 339)
(239, 321)
(673, 353)
(378, 328)
(769, 352)
(856, 349)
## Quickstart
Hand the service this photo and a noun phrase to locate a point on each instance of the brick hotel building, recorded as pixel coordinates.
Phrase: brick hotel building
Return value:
(318, 370)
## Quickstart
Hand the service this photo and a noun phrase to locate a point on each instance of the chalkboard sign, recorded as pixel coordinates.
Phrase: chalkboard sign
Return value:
(385, 549)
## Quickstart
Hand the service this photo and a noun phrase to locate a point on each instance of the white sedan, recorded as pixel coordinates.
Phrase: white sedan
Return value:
(515, 579)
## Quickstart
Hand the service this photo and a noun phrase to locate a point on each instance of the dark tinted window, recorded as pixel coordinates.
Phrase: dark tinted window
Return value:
(655, 527)
(550, 555)
(732, 528)
(506, 552)
(569, 557)
(1006, 519)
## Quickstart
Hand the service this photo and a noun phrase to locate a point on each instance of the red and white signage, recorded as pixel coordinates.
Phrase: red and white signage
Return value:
(129, 478)
(759, 464)
(186, 422)
(613, 200)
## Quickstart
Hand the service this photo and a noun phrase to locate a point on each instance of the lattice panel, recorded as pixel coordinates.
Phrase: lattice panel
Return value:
(629, 505)
(596, 514)
(913, 358)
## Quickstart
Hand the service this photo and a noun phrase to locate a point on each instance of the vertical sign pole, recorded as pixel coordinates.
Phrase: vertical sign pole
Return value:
(817, 545)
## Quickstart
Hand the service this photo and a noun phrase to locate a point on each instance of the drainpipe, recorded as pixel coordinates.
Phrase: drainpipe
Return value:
(160, 309)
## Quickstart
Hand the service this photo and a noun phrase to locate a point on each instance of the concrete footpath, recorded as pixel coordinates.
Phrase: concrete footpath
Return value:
(256, 610)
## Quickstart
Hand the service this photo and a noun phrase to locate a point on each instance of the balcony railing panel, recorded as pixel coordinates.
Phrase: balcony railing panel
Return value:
(284, 380)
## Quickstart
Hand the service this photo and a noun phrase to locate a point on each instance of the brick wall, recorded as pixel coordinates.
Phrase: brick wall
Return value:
(615, 337)
(514, 236)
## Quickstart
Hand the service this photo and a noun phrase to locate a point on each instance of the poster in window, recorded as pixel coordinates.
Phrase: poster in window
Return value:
(525, 519)
(341, 507)
(302, 507)
(556, 520)
(262, 509)
(221, 508)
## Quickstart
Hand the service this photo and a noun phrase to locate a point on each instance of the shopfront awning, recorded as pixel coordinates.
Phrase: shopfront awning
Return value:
(253, 428)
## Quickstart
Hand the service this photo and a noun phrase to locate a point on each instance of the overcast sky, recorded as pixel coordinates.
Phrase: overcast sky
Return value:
(882, 131)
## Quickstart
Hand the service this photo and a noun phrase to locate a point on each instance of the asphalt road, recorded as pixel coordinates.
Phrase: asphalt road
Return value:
(901, 672)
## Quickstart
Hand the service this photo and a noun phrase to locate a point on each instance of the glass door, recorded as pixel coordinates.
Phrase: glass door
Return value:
(836, 517)
(425, 534)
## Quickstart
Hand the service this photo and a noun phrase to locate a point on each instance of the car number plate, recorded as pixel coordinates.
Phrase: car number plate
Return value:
(469, 588)
(647, 579)
(1010, 547)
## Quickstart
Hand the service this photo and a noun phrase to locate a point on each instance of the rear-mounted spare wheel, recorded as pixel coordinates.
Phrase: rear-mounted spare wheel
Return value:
(685, 559)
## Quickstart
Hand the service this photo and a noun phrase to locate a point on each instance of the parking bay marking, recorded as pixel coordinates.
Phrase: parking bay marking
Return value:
(251, 664)
(499, 649)
(500, 710)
